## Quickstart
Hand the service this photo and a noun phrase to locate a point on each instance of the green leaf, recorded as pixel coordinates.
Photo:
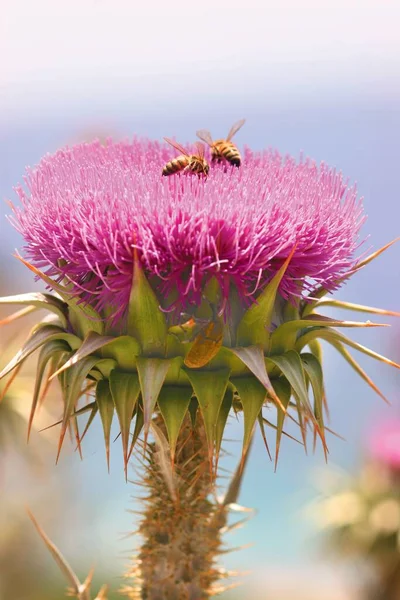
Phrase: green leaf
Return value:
(232, 317)
(274, 427)
(253, 358)
(94, 375)
(227, 359)
(139, 422)
(210, 388)
(93, 412)
(313, 369)
(264, 436)
(211, 298)
(105, 405)
(175, 375)
(124, 350)
(74, 431)
(292, 368)
(92, 342)
(253, 328)
(38, 337)
(317, 294)
(285, 336)
(83, 317)
(125, 388)
(354, 364)
(104, 366)
(233, 491)
(284, 391)
(221, 422)
(355, 307)
(372, 256)
(316, 349)
(152, 372)
(72, 381)
(49, 350)
(173, 402)
(40, 301)
(193, 408)
(252, 396)
(330, 335)
(49, 319)
(229, 501)
(77, 413)
(146, 322)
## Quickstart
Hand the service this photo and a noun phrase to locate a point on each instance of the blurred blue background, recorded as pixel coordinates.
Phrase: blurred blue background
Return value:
(317, 77)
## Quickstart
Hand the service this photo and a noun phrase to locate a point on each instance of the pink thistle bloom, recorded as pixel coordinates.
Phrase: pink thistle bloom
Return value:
(87, 207)
(384, 444)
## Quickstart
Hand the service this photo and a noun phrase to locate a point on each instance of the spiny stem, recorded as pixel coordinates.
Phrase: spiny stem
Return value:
(181, 534)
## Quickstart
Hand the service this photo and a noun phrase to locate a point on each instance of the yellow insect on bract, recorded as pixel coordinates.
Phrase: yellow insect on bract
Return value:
(205, 346)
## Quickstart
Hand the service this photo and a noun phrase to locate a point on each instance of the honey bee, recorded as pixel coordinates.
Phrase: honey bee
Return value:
(205, 346)
(185, 162)
(223, 149)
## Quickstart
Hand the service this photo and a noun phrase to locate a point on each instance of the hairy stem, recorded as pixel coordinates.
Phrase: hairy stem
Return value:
(180, 531)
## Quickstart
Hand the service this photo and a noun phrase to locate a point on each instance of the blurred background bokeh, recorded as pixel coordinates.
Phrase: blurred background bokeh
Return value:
(320, 78)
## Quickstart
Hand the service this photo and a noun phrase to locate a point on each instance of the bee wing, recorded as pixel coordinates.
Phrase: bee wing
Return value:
(205, 346)
(234, 129)
(205, 135)
(200, 149)
(177, 146)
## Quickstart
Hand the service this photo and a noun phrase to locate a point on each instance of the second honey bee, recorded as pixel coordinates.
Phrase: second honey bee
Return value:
(223, 150)
(186, 162)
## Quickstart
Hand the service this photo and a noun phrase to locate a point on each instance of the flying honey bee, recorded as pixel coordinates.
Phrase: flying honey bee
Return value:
(205, 346)
(223, 149)
(186, 162)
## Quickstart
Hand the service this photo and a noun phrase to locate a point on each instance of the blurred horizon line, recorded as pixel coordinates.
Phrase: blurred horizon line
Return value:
(150, 92)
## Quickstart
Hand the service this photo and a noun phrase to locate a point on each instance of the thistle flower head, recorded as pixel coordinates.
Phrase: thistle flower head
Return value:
(86, 208)
(128, 251)
(384, 444)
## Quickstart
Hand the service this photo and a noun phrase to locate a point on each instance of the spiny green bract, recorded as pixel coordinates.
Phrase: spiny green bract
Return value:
(268, 355)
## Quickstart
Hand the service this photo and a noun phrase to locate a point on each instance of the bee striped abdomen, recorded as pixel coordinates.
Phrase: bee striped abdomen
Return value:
(175, 165)
(226, 150)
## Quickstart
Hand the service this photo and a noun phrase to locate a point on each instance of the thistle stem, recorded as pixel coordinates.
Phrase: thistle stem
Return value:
(176, 560)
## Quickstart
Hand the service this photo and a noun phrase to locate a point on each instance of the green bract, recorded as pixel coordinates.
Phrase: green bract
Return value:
(269, 355)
